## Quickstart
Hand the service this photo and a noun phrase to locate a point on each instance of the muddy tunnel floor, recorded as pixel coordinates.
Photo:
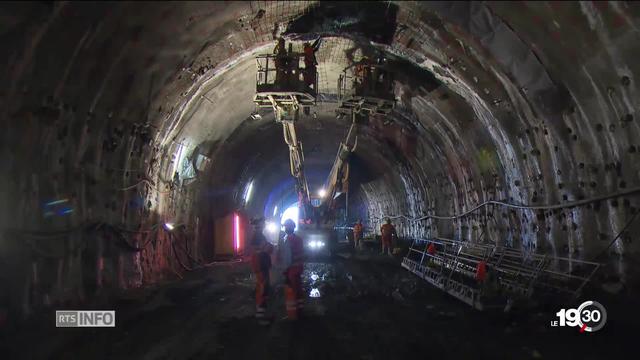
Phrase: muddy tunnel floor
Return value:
(358, 306)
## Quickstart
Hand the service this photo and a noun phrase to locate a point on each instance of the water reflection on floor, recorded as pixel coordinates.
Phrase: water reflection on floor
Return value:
(314, 293)
(318, 278)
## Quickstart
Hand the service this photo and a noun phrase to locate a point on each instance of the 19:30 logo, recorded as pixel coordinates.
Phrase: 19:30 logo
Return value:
(590, 316)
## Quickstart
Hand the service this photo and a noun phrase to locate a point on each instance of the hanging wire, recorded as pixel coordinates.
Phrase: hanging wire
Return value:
(148, 182)
(515, 206)
(627, 225)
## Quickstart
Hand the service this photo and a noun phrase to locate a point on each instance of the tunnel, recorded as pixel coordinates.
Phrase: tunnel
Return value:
(135, 166)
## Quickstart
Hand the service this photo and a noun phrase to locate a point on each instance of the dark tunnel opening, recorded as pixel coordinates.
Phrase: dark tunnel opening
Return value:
(151, 151)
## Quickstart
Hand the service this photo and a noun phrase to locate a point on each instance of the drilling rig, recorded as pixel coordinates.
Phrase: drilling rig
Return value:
(284, 85)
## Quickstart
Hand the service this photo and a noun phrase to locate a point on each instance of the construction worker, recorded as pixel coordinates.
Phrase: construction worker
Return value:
(387, 231)
(481, 271)
(363, 76)
(293, 68)
(310, 62)
(293, 261)
(359, 76)
(379, 76)
(281, 62)
(261, 251)
(357, 235)
(431, 250)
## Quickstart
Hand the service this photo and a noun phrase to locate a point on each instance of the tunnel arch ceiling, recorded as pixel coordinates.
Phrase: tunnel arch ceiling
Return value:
(533, 110)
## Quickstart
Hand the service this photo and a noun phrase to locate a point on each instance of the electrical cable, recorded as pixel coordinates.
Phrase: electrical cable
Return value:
(515, 206)
(175, 253)
(93, 226)
(49, 234)
(148, 182)
(31, 236)
(136, 184)
(626, 226)
(205, 265)
(119, 233)
(153, 228)
(42, 253)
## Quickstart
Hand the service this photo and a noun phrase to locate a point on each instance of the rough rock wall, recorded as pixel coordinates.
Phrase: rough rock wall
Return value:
(540, 123)
(537, 109)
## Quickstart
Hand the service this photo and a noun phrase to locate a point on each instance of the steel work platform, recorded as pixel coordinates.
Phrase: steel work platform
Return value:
(452, 266)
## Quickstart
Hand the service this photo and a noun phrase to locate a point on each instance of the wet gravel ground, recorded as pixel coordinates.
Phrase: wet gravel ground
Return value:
(359, 306)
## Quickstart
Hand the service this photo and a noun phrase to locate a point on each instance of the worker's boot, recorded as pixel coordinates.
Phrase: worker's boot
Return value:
(261, 315)
(300, 305)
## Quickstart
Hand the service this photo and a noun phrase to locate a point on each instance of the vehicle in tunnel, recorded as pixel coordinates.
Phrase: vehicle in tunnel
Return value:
(145, 142)
(317, 240)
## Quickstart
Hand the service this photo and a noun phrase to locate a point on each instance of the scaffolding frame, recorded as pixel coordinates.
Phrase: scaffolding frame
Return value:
(359, 89)
(290, 90)
(511, 273)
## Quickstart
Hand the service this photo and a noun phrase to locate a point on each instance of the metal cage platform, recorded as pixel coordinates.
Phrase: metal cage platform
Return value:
(263, 99)
(285, 81)
(452, 267)
(366, 87)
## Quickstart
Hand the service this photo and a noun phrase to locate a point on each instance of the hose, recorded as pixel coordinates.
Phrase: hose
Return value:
(515, 206)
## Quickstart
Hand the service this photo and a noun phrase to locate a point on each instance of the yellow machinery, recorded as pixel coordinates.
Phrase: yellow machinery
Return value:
(286, 87)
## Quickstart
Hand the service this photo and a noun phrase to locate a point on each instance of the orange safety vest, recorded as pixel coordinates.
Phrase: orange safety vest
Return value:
(431, 249)
(309, 57)
(387, 230)
(297, 248)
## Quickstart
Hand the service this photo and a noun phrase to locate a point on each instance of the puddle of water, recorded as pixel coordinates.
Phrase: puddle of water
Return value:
(316, 276)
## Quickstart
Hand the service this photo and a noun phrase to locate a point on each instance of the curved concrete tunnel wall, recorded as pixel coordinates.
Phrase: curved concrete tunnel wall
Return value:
(492, 105)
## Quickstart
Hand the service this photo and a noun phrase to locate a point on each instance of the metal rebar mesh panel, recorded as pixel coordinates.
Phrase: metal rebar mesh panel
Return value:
(450, 264)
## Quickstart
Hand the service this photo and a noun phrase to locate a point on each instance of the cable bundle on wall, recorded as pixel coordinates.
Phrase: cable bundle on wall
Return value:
(515, 206)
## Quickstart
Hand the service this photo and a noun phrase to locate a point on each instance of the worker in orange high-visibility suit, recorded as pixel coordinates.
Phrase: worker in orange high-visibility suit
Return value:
(310, 63)
(431, 250)
(357, 235)
(261, 251)
(281, 62)
(294, 263)
(387, 231)
(481, 271)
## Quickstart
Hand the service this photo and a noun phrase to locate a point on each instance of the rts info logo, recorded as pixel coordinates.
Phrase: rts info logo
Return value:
(590, 316)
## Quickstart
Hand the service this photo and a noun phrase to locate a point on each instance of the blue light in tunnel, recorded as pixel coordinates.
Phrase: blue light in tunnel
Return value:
(281, 194)
(292, 213)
